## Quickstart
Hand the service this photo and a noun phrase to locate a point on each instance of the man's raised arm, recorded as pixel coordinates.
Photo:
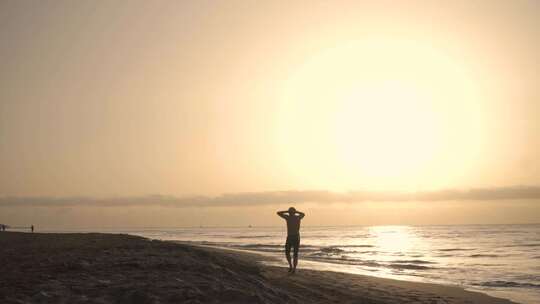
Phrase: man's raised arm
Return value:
(301, 214)
(282, 214)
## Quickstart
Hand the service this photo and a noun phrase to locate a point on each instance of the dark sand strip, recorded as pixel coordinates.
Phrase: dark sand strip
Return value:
(115, 268)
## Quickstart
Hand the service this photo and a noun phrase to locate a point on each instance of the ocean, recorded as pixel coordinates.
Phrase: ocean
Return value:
(500, 260)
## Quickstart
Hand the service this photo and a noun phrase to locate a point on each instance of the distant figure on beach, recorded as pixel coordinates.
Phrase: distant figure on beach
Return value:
(293, 218)
(3, 227)
(32, 228)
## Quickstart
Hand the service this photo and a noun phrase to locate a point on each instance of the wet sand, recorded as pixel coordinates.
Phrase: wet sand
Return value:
(116, 268)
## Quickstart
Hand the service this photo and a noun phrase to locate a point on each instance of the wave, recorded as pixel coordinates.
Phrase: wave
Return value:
(412, 262)
(251, 236)
(507, 284)
(272, 247)
(258, 245)
(524, 245)
(208, 243)
(344, 261)
(409, 266)
(484, 255)
(456, 249)
(368, 263)
(331, 250)
(531, 245)
(351, 246)
(358, 236)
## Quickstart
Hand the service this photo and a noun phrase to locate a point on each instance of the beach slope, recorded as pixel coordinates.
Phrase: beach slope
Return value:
(116, 268)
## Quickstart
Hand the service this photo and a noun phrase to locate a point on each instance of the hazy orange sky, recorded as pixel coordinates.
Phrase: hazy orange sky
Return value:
(199, 98)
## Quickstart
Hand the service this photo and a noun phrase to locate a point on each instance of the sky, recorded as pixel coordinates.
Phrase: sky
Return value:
(194, 101)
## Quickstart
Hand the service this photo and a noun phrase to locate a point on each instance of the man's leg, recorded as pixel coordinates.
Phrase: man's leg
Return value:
(288, 253)
(296, 248)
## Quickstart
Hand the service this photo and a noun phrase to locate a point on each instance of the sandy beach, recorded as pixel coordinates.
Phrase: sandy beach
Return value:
(117, 268)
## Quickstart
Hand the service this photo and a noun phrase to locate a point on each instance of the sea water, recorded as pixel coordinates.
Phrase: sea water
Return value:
(500, 260)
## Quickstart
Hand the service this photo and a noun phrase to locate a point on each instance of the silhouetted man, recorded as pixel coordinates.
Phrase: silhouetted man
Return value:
(32, 228)
(293, 218)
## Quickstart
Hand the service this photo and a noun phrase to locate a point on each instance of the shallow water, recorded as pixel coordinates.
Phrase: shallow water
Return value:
(501, 260)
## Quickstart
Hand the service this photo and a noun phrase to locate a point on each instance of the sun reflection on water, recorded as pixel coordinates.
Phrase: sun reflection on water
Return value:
(393, 238)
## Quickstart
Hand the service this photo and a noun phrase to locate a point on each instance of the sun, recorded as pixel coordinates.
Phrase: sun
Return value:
(385, 128)
(380, 114)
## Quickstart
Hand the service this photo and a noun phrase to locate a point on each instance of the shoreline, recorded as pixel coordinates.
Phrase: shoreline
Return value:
(121, 268)
(275, 259)
(272, 260)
